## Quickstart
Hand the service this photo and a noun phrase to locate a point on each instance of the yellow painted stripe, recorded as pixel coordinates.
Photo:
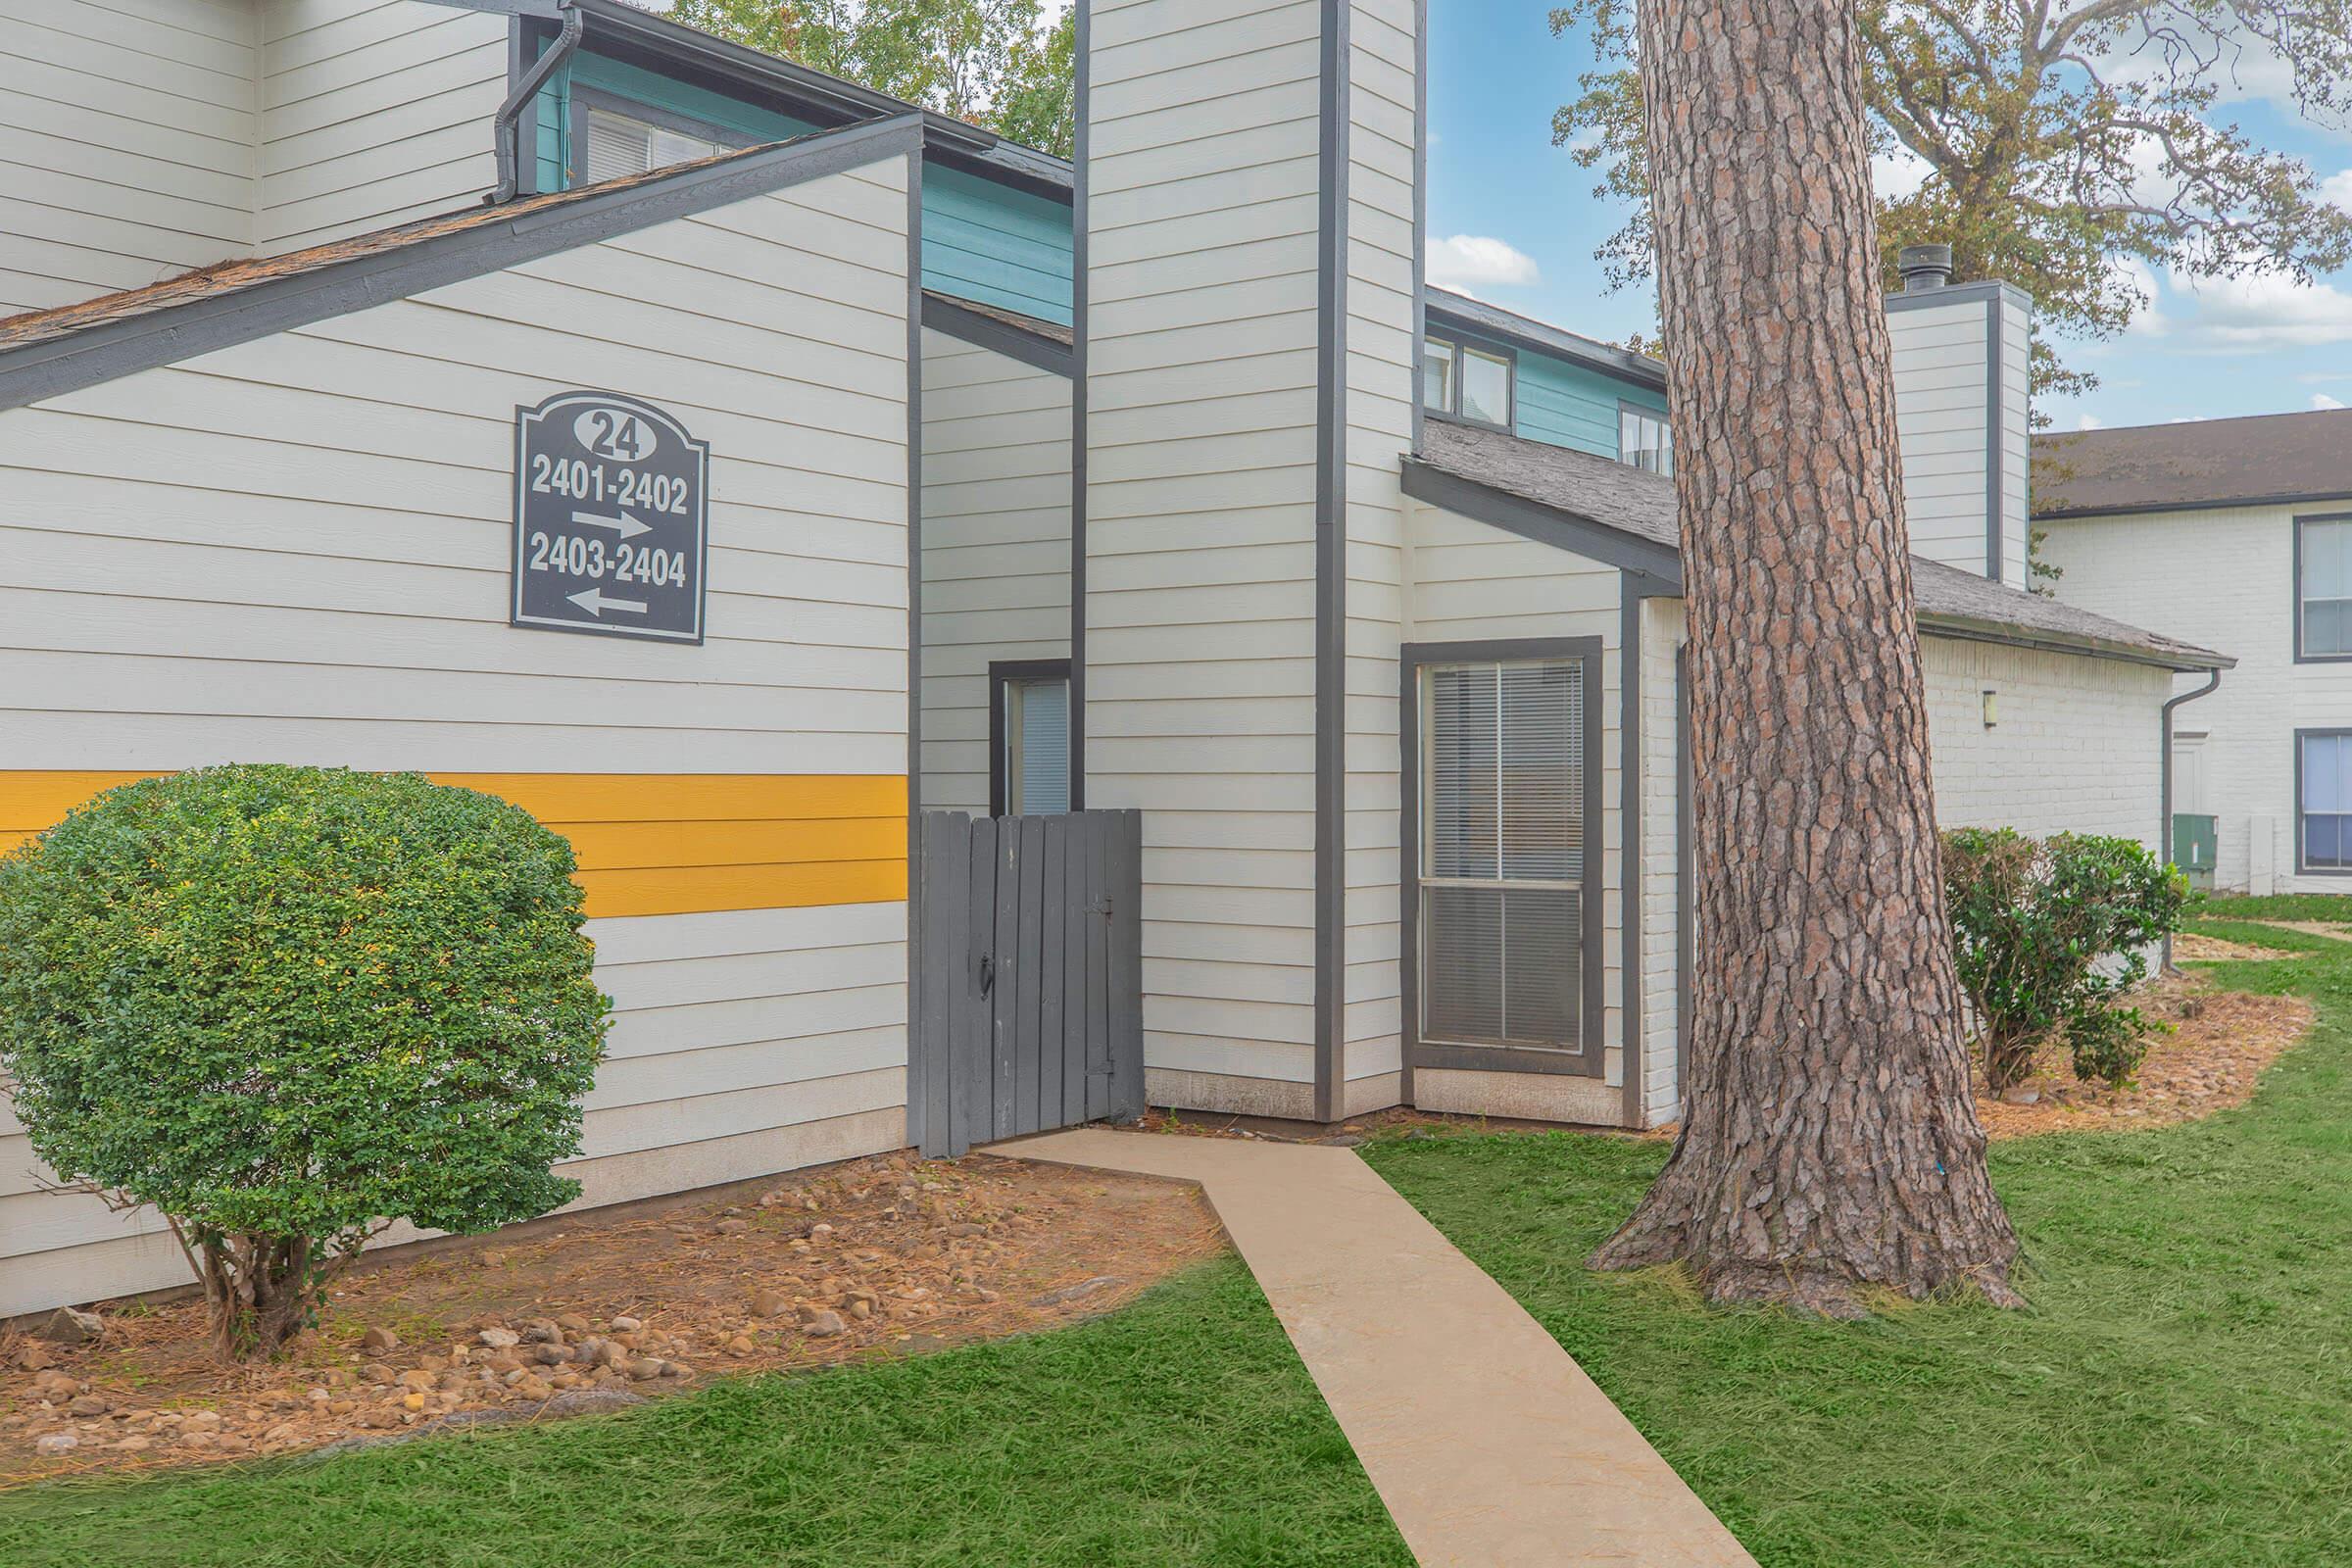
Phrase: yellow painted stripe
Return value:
(648, 843)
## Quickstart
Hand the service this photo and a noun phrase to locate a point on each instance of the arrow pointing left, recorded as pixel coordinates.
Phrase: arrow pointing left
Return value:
(596, 602)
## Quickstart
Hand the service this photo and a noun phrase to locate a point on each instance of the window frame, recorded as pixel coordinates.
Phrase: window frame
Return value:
(1004, 672)
(2294, 590)
(584, 99)
(1626, 406)
(2303, 867)
(1462, 346)
(1590, 1060)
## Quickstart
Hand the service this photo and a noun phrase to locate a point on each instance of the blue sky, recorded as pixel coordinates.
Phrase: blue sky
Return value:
(1497, 73)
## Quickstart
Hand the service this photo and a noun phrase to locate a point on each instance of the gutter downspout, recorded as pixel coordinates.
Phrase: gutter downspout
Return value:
(2164, 828)
(526, 91)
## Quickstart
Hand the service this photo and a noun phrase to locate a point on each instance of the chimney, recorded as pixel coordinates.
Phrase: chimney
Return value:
(1925, 267)
(1249, 218)
(1960, 394)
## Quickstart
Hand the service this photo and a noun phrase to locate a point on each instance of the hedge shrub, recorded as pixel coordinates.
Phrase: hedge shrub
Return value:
(288, 1006)
(2051, 935)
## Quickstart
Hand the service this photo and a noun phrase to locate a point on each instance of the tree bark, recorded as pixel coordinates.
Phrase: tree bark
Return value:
(1830, 1145)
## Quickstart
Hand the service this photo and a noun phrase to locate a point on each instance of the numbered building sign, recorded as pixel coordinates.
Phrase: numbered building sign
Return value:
(610, 508)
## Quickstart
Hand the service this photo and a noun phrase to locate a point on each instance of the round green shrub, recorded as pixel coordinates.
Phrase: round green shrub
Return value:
(288, 1006)
(2049, 936)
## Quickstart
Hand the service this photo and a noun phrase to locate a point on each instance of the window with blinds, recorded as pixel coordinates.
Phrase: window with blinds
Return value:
(1037, 733)
(619, 145)
(1503, 855)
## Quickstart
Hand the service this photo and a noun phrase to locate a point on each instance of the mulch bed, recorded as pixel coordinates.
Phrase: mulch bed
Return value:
(883, 1256)
(2220, 1043)
(2190, 948)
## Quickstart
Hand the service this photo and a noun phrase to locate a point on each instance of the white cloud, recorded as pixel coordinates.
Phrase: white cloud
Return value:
(2321, 400)
(1897, 173)
(2338, 188)
(2259, 313)
(2089, 421)
(1472, 262)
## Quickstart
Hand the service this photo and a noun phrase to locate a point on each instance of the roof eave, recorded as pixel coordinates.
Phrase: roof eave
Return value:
(1637, 554)
(2298, 498)
(2009, 634)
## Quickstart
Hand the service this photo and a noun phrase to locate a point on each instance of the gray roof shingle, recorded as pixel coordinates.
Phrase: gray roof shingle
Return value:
(1617, 496)
(2274, 459)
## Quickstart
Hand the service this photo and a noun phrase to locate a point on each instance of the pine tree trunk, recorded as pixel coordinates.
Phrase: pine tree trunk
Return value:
(1829, 1144)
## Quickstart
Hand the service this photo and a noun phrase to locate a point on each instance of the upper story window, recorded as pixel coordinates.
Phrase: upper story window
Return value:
(1463, 381)
(615, 144)
(1645, 439)
(2324, 587)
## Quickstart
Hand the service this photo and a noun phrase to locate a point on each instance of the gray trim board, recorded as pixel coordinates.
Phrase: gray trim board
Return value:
(1547, 526)
(1421, 249)
(1591, 1060)
(1629, 848)
(916, 1066)
(107, 349)
(987, 332)
(1331, 565)
(2316, 498)
(1081, 140)
(2302, 735)
(2296, 592)
(1686, 874)
(1927, 299)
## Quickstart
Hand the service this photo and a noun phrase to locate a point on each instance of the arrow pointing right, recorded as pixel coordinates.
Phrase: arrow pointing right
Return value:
(625, 525)
(596, 602)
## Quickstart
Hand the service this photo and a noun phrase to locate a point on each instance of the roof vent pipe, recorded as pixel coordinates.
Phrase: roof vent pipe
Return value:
(1925, 267)
(526, 93)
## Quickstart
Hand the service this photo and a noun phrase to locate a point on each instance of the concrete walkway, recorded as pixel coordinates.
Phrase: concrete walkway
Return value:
(1489, 1445)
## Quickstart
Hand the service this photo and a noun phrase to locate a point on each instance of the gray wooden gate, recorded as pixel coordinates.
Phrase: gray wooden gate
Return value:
(1029, 962)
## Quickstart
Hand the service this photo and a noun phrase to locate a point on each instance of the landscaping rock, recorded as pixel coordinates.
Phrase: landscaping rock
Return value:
(731, 1227)
(379, 1339)
(770, 1303)
(52, 1444)
(416, 1378)
(88, 1404)
(34, 1356)
(500, 1338)
(823, 1325)
(66, 1326)
(625, 1324)
(56, 1387)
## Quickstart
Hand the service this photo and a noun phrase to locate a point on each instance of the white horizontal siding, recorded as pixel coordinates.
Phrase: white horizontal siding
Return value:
(1939, 399)
(1381, 369)
(1200, 596)
(372, 112)
(297, 549)
(995, 546)
(127, 143)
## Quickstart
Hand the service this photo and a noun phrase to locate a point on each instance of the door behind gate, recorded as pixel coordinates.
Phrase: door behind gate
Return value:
(1030, 974)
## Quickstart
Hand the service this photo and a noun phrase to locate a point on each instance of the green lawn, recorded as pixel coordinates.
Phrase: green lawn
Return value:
(2335, 908)
(2180, 1392)
(1181, 1431)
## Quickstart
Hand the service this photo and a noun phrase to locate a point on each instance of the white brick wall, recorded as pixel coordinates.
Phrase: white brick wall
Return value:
(2075, 748)
(2223, 579)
